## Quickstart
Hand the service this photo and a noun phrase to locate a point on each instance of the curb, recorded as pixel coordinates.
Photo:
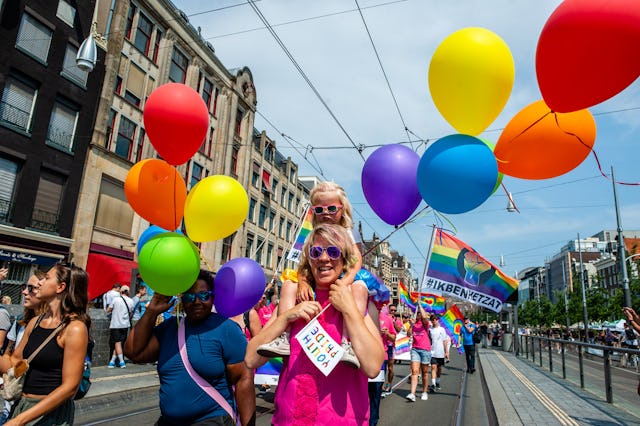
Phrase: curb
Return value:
(99, 407)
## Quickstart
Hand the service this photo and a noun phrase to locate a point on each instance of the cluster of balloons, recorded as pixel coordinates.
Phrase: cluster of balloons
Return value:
(176, 120)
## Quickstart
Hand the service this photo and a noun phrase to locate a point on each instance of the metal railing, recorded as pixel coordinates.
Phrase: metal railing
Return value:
(6, 211)
(534, 347)
(45, 221)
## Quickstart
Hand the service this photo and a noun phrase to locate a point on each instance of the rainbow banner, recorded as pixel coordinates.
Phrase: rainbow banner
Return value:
(402, 347)
(296, 250)
(430, 302)
(269, 373)
(458, 270)
(453, 321)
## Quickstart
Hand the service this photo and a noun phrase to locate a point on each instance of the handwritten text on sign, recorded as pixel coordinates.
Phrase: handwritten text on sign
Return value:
(322, 350)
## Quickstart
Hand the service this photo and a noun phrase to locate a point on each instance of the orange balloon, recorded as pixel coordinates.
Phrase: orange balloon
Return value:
(540, 144)
(157, 192)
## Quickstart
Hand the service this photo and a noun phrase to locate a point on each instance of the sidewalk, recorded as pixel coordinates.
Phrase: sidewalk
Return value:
(522, 394)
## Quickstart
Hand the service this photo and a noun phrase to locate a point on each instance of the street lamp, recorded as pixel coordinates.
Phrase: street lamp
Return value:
(621, 248)
(88, 53)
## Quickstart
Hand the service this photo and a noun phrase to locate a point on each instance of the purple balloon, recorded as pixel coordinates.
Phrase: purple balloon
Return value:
(389, 183)
(239, 285)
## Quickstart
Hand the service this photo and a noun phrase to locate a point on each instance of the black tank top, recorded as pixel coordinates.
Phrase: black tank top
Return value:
(45, 370)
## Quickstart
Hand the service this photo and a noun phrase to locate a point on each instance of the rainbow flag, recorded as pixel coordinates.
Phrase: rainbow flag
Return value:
(296, 250)
(458, 270)
(453, 321)
(269, 372)
(403, 344)
(430, 302)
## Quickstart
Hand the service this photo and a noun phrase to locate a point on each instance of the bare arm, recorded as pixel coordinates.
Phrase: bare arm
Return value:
(245, 393)
(142, 345)
(254, 323)
(74, 341)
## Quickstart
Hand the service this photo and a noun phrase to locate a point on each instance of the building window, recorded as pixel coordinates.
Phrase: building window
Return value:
(262, 216)
(249, 247)
(259, 250)
(226, 248)
(69, 68)
(113, 212)
(252, 207)
(126, 133)
(238, 126)
(274, 185)
(140, 145)
(66, 12)
(130, 16)
(143, 35)
(216, 92)
(156, 45)
(281, 227)
(234, 159)
(18, 103)
(62, 127)
(266, 181)
(269, 259)
(46, 210)
(283, 197)
(255, 175)
(196, 174)
(135, 85)
(290, 202)
(178, 69)
(272, 220)
(289, 226)
(8, 173)
(34, 38)
(292, 174)
(111, 122)
(268, 152)
(207, 92)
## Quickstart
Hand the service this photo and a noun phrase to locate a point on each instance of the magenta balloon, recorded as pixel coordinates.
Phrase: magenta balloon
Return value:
(239, 285)
(389, 183)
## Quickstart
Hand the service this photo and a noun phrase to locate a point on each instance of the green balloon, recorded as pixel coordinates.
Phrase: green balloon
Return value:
(169, 263)
(500, 175)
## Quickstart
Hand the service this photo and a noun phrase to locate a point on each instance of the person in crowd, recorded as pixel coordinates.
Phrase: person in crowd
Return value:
(108, 297)
(484, 330)
(140, 301)
(330, 205)
(120, 309)
(32, 308)
(4, 273)
(375, 384)
(215, 348)
(389, 328)
(56, 371)
(609, 338)
(304, 394)
(440, 343)
(6, 300)
(265, 310)
(469, 345)
(420, 353)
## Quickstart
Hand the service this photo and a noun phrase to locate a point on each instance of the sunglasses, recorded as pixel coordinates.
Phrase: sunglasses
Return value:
(332, 209)
(191, 297)
(333, 252)
(29, 287)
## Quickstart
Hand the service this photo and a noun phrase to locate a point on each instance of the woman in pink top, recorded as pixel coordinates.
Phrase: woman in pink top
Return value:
(420, 353)
(305, 396)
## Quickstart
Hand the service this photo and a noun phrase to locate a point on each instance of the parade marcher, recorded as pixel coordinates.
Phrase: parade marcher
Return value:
(484, 330)
(304, 394)
(469, 345)
(420, 353)
(439, 351)
(389, 327)
(55, 372)
(214, 348)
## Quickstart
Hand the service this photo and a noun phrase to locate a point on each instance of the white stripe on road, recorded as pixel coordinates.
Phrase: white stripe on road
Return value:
(123, 376)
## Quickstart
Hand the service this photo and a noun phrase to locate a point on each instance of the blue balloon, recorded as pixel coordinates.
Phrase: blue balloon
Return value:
(457, 174)
(149, 233)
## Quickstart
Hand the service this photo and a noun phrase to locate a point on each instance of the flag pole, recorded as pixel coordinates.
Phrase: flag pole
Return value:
(426, 267)
(283, 259)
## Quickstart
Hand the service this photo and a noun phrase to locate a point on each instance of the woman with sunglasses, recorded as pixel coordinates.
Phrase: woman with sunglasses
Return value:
(304, 394)
(215, 348)
(55, 372)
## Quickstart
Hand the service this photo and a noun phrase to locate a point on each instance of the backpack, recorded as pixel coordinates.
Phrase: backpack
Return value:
(85, 382)
(477, 336)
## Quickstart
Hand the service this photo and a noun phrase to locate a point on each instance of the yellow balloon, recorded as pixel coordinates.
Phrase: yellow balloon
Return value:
(215, 208)
(470, 78)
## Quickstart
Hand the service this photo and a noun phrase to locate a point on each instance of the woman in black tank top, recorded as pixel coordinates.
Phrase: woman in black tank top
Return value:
(64, 291)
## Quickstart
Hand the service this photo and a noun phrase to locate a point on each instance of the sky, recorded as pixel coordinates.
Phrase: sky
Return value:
(328, 40)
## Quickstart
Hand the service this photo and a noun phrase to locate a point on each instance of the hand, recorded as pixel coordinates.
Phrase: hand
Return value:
(159, 303)
(305, 292)
(304, 310)
(3, 273)
(631, 314)
(341, 297)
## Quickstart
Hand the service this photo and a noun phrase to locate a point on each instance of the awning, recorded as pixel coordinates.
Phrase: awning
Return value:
(105, 270)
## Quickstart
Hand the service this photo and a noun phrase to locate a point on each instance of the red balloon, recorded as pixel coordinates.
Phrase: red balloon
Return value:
(588, 52)
(176, 120)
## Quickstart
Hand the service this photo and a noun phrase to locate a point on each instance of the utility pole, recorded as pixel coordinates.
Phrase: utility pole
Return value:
(621, 248)
(584, 297)
(566, 295)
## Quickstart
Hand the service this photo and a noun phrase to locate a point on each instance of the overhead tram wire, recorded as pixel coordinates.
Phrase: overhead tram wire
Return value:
(384, 73)
(304, 75)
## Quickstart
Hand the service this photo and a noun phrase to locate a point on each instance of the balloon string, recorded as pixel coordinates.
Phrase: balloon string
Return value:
(408, 221)
(595, 155)
(524, 131)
